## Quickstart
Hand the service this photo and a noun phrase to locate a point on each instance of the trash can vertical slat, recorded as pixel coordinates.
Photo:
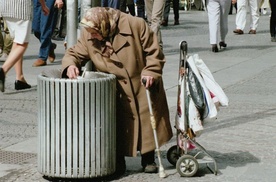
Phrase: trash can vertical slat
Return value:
(48, 128)
(75, 130)
(81, 155)
(68, 121)
(63, 136)
(87, 128)
(57, 119)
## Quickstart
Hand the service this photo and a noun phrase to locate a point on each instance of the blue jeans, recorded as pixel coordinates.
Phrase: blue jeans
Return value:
(43, 26)
(111, 3)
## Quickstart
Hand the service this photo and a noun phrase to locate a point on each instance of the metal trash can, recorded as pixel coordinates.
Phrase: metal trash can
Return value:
(77, 125)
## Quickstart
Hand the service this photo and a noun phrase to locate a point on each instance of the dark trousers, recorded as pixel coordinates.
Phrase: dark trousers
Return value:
(175, 9)
(273, 18)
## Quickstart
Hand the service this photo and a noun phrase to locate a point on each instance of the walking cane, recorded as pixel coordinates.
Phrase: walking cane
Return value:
(162, 173)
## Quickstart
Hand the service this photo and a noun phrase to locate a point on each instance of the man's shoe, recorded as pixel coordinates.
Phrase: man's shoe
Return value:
(19, 85)
(3, 57)
(164, 23)
(2, 80)
(39, 62)
(176, 22)
(273, 39)
(252, 31)
(52, 55)
(238, 31)
(151, 168)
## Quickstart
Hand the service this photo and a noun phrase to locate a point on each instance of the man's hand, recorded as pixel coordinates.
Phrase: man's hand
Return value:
(149, 81)
(72, 72)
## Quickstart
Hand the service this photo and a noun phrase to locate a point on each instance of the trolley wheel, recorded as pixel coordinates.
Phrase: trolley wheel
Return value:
(187, 166)
(173, 155)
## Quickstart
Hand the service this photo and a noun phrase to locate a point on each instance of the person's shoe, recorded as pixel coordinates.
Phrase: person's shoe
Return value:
(39, 62)
(4, 57)
(151, 168)
(273, 39)
(2, 80)
(176, 22)
(1, 50)
(52, 55)
(19, 85)
(222, 44)
(164, 23)
(238, 31)
(252, 31)
(214, 48)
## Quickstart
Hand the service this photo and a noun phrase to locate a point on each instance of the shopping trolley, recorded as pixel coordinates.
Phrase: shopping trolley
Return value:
(187, 154)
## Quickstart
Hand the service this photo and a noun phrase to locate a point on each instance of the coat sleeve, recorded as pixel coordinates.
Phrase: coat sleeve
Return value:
(77, 53)
(154, 56)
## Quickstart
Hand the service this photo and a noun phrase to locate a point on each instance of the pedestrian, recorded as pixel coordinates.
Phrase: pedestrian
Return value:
(127, 4)
(43, 28)
(273, 20)
(167, 12)
(218, 11)
(111, 3)
(140, 4)
(18, 16)
(154, 12)
(241, 15)
(5, 42)
(124, 45)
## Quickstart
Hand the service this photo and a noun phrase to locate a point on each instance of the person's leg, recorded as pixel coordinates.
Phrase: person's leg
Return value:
(148, 8)
(213, 8)
(16, 54)
(225, 6)
(131, 7)
(123, 5)
(176, 11)
(148, 162)
(254, 15)
(1, 43)
(241, 14)
(166, 12)
(141, 8)
(8, 40)
(273, 20)
(46, 28)
(114, 4)
(156, 18)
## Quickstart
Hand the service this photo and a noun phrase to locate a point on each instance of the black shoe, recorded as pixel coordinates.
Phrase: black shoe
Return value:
(19, 85)
(214, 48)
(151, 168)
(222, 44)
(164, 23)
(2, 80)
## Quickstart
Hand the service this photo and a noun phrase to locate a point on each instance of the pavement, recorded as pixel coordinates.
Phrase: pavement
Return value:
(241, 139)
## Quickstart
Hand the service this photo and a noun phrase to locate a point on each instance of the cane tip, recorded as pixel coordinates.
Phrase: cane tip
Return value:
(162, 175)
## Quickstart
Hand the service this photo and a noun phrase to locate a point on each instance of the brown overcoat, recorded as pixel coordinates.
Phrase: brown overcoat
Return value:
(136, 53)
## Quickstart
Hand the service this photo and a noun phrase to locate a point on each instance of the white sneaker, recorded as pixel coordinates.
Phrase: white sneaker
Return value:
(3, 57)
